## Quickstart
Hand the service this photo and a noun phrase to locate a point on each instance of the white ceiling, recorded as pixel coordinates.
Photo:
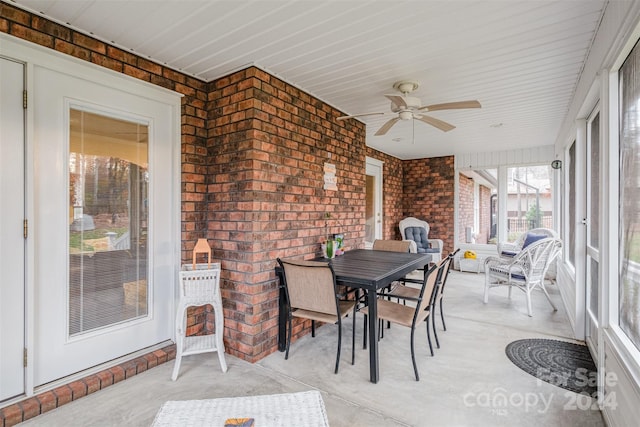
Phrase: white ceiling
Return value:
(520, 59)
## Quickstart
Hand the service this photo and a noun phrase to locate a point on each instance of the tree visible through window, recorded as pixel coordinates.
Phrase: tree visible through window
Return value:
(529, 201)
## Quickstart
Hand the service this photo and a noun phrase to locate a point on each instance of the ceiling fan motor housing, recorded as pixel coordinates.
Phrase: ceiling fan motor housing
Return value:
(411, 101)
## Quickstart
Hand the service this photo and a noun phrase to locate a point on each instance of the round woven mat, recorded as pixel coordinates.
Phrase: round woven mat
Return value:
(560, 363)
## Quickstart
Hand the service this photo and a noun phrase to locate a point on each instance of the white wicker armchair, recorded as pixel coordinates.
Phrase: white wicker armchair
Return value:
(525, 271)
(512, 248)
(417, 232)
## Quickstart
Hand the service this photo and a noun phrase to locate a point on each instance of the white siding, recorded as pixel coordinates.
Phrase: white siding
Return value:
(525, 156)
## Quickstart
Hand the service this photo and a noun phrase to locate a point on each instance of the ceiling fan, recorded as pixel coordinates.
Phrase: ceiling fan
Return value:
(410, 108)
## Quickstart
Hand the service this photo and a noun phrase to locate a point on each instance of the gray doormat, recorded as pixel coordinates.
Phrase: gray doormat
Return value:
(560, 363)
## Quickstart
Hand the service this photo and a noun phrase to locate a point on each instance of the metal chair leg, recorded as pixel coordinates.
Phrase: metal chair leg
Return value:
(442, 316)
(339, 345)
(433, 323)
(353, 337)
(413, 356)
(429, 337)
(286, 354)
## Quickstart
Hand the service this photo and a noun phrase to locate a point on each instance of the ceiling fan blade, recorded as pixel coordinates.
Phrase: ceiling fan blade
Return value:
(452, 105)
(360, 115)
(443, 126)
(385, 127)
(397, 100)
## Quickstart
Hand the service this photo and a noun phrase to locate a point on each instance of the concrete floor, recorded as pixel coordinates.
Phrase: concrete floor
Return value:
(469, 382)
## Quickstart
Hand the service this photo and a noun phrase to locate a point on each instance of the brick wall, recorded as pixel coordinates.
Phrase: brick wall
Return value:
(268, 142)
(465, 206)
(428, 194)
(485, 215)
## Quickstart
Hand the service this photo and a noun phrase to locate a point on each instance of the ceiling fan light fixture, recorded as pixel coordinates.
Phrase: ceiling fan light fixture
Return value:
(406, 115)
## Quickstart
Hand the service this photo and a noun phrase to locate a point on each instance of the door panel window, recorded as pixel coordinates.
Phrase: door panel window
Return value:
(108, 182)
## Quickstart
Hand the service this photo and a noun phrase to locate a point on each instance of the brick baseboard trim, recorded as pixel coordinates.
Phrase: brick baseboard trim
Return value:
(48, 400)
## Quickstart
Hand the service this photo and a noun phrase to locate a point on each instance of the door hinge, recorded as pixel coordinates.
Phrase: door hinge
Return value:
(25, 228)
(24, 358)
(24, 99)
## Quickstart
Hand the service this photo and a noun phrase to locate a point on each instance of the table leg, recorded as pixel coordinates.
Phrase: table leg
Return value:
(374, 371)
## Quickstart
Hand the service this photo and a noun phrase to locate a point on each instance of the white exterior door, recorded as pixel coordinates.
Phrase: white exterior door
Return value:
(101, 295)
(373, 227)
(592, 222)
(12, 214)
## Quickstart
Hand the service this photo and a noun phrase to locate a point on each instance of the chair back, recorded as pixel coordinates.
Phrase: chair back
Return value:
(534, 260)
(444, 273)
(391, 245)
(310, 285)
(416, 230)
(427, 291)
(547, 232)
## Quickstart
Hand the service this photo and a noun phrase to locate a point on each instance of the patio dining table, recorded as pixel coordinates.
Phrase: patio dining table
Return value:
(370, 271)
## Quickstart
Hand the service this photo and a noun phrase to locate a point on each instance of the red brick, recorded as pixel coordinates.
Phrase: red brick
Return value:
(93, 383)
(118, 373)
(129, 368)
(89, 43)
(141, 364)
(30, 408)
(11, 415)
(14, 14)
(106, 378)
(48, 401)
(79, 389)
(64, 394)
(152, 360)
(161, 355)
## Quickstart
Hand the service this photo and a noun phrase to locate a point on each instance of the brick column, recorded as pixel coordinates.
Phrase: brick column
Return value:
(268, 142)
(428, 194)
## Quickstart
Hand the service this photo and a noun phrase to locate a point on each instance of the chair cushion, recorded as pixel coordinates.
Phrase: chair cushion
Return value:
(531, 238)
(418, 235)
(509, 253)
(504, 271)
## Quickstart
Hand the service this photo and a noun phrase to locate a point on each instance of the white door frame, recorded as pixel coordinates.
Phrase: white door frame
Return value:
(12, 239)
(591, 253)
(375, 168)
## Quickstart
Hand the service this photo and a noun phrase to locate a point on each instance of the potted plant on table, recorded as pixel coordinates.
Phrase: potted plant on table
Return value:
(329, 246)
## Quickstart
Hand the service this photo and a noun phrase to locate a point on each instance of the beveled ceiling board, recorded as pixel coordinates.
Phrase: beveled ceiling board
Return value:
(521, 59)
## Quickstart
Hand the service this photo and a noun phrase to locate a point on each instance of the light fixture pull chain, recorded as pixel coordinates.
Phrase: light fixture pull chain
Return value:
(413, 135)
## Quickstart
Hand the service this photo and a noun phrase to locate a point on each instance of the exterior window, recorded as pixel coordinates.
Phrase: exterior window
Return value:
(108, 181)
(529, 202)
(629, 185)
(477, 206)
